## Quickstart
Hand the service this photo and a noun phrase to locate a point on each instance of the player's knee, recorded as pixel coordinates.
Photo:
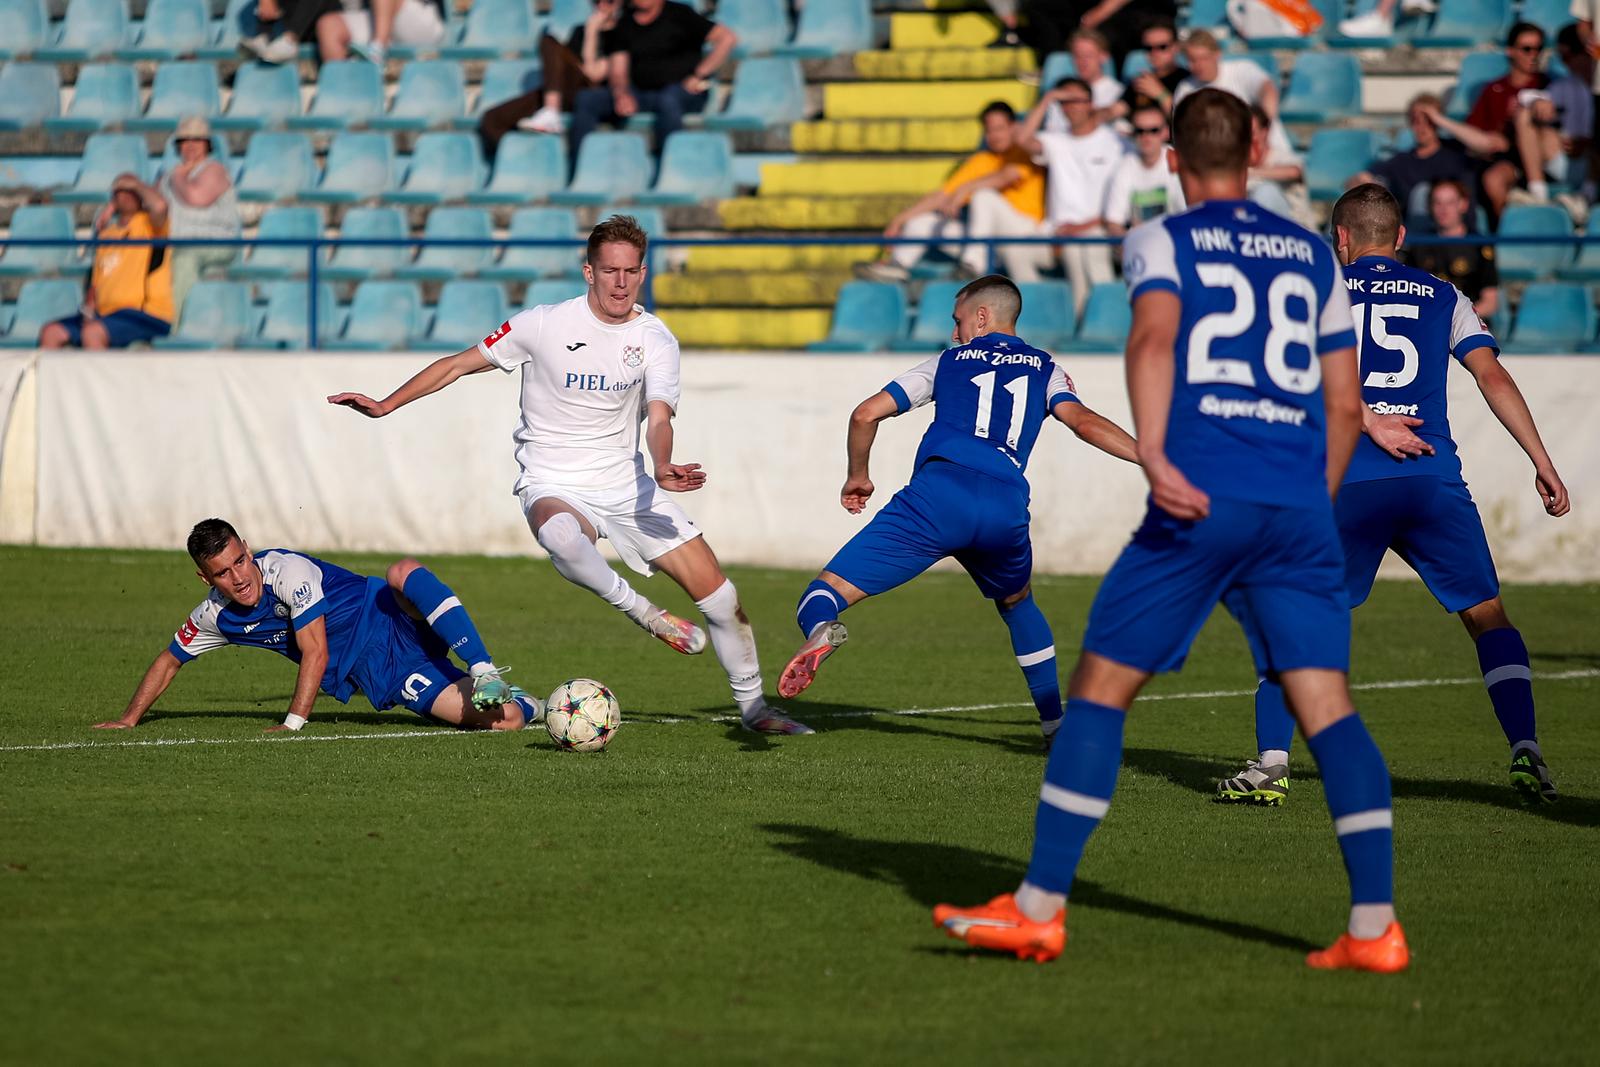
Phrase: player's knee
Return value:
(399, 571)
(1489, 615)
(560, 534)
(1006, 603)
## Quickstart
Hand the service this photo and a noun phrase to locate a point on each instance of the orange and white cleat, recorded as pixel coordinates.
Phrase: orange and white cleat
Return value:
(677, 633)
(1000, 926)
(802, 669)
(1385, 954)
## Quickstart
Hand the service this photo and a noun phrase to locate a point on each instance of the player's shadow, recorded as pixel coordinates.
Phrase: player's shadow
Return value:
(1581, 659)
(932, 873)
(1201, 773)
(833, 718)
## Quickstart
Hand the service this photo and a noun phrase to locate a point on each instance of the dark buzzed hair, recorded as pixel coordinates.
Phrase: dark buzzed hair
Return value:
(618, 229)
(1073, 79)
(998, 107)
(209, 537)
(1520, 28)
(996, 292)
(1211, 131)
(1371, 214)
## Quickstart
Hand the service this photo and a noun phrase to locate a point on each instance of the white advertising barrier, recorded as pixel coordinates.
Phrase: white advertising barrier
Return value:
(134, 448)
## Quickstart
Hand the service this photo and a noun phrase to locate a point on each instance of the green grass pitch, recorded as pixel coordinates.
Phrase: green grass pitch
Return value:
(697, 894)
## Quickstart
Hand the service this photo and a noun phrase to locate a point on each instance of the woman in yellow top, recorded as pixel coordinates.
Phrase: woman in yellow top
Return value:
(130, 289)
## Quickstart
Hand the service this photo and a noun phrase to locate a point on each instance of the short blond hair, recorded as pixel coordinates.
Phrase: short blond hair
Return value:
(1203, 39)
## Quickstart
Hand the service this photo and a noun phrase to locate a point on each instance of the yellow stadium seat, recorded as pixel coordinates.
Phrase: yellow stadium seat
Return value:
(759, 258)
(963, 29)
(741, 328)
(811, 212)
(767, 289)
(852, 177)
(886, 135)
(944, 64)
(872, 100)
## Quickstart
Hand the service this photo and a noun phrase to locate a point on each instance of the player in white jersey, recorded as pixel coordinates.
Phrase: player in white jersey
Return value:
(592, 367)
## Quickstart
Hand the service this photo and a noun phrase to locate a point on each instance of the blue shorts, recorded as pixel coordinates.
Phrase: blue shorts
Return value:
(1430, 523)
(946, 510)
(123, 328)
(404, 662)
(1280, 570)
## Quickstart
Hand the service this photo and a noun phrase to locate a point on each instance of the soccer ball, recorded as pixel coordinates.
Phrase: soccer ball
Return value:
(582, 715)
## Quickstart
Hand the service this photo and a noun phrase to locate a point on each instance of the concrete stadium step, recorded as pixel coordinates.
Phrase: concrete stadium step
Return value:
(910, 100)
(756, 289)
(777, 258)
(742, 328)
(886, 135)
(942, 29)
(855, 177)
(944, 64)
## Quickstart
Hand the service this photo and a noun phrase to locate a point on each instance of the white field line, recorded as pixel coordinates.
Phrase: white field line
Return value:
(391, 735)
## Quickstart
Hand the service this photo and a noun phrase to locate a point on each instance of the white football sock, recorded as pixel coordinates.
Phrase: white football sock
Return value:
(579, 562)
(1272, 756)
(1368, 921)
(1039, 904)
(734, 643)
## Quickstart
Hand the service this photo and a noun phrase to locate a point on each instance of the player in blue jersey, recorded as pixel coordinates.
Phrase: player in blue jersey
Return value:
(968, 497)
(1404, 490)
(388, 638)
(1242, 376)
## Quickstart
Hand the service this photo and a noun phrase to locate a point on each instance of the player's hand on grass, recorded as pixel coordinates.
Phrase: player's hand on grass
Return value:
(855, 494)
(281, 728)
(115, 724)
(1175, 494)
(372, 409)
(680, 477)
(1553, 492)
(1392, 433)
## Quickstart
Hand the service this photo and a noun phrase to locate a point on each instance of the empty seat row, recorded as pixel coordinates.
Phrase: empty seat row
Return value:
(873, 317)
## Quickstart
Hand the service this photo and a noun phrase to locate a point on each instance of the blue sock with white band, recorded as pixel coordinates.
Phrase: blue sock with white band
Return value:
(445, 616)
(1274, 724)
(1078, 781)
(819, 604)
(1503, 659)
(1356, 783)
(1035, 649)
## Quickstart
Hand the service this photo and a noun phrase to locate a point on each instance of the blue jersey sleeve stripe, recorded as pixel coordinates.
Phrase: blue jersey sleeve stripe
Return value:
(310, 615)
(1334, 341)
(1153, 284)
(182, 654)
(1062, 398)
(1468, 345)
(901, 401)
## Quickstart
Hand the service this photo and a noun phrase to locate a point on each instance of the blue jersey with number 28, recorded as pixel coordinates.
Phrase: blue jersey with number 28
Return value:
(1262, 299)
(990, 397)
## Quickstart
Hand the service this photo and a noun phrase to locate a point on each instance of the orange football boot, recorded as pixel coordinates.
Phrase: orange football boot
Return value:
(1386, 954)
(802, 668)
(1000, 927)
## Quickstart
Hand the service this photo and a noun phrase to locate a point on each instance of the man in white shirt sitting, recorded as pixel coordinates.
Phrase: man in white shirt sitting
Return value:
(1241, 77)
(1144, 186)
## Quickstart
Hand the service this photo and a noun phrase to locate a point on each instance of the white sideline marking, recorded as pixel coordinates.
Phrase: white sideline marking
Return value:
(389, 735)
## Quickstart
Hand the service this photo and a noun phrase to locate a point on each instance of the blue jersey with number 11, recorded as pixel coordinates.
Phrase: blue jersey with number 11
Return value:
(1262, 300)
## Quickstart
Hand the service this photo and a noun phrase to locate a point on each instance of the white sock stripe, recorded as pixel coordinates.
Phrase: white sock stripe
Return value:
(1507, 673)
(1074, 803)
(815, 593)
(1040, 656)
(445, 605)
(1361, 821)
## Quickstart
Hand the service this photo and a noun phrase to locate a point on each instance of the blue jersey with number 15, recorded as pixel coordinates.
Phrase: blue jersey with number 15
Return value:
(1262, 300)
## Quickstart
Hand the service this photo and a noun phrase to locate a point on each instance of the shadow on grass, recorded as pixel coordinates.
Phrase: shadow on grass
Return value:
(833, 718)
(932, 873)
(1200, 774)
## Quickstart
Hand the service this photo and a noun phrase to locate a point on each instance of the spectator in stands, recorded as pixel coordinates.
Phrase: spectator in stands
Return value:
(1277, 174)
(1575, 111)
(1006, 12)
(200, 202)
(1379, 22)
(129, 298)
(1090, 57)
(1243, 78)
(1587, 12)
(369, 27)
(1513, 125)
(1122, 22)
(1144, 186)
(1469, 268)
(283, 24)
(1155, 86)
(1080, 162)
(1431, 159)
(662, 56)
(565, 69)
(1001, 190)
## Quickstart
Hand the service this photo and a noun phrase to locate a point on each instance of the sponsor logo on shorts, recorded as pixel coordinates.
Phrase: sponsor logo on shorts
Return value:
(489, 342)
(1381, 408)
(1263, 409)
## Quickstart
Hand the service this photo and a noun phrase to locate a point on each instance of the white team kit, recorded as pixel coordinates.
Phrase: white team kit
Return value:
(585, 385)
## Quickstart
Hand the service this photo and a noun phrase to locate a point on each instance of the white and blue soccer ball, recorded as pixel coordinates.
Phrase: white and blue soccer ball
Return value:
(582, 715)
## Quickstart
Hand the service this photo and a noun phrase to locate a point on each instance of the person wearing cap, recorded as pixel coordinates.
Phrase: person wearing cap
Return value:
(200, 203)
(129, 298)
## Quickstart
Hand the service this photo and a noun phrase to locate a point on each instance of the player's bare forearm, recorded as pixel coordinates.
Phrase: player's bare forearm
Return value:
(1150, 367)
(1343, 410)
(312, 641)
(1095, 429)
(162, 670)
(658, 437)
(430, 379)
(858, 487)
(1511, 408)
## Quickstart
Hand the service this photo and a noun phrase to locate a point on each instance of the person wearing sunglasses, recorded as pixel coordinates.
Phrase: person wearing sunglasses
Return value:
(1144, 186)
(1153, 87)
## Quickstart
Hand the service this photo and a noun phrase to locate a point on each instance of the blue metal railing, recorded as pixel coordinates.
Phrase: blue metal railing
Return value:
(315, 245)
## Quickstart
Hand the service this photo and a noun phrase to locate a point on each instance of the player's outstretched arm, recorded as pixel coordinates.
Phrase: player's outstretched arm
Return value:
(162, 670)
(858, 487)
(1500, 390)
(430, 379)
(1342, 407)
(673, 477)
(312, 640)
(1150, 367)
(1095, 429)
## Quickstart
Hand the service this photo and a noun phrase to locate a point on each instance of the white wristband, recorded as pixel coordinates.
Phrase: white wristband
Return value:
(293, 721)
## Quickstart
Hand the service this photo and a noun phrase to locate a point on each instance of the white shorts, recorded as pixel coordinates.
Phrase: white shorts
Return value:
(417, 22)
(640, 521)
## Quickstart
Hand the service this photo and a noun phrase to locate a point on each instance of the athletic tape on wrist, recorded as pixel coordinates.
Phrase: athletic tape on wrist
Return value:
(293, 721)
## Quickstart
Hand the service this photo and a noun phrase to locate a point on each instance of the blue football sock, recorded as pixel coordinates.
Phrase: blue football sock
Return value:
(445, 616)
(820, 603)
(1356, 783)
(1504, 660)
(1274, 724)
(1035, 647)
(1078, 781)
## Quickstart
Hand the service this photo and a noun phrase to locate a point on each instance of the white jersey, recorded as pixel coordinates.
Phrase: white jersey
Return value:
(585, 384)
